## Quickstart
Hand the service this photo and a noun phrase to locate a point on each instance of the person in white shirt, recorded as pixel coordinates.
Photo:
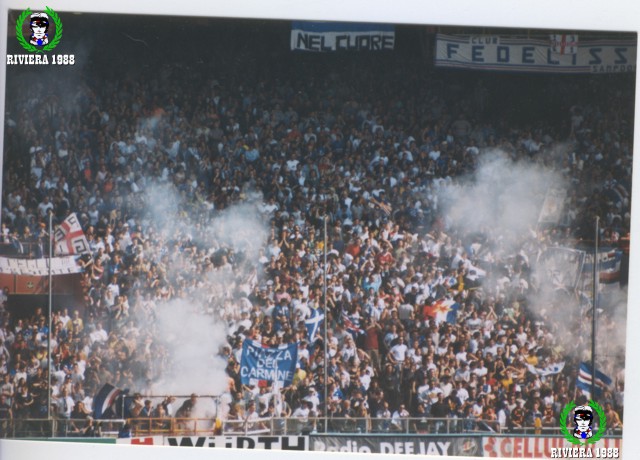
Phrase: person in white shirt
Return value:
(302, 412)
(313, 399)
(399, 418)
(398, 352)
(99, 335)
(251, 416)
(461, 392)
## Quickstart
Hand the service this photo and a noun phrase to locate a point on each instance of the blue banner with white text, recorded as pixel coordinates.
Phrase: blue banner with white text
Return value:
(275, 365)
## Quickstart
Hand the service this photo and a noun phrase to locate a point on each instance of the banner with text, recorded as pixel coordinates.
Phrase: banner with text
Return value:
(337, 36)
(268, 364)
(39, 267)
(490, 52)
(236, 442)
(538, 446)
(412, 445)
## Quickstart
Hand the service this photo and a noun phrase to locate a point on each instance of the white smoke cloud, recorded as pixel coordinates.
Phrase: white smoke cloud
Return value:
(503, 195)
(503, 199)
(193, 340)
(193, 328)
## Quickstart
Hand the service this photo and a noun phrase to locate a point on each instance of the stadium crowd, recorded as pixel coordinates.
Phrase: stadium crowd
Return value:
(369, 154)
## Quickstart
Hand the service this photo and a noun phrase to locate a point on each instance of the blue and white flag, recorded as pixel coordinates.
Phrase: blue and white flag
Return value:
(104, 403)
(260, 364)
(551, 369)
(584, 380)
(313, 324)
(609, 265)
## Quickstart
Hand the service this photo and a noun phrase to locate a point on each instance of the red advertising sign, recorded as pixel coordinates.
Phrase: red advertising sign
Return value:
(535, 447)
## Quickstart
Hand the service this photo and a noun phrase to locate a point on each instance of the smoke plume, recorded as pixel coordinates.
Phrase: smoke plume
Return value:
(193, 327)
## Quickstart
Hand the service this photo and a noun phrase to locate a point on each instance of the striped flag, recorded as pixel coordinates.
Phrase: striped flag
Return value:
(69, 237)
(609, 266)
(313, 324)
(105, 401)
(584, 380)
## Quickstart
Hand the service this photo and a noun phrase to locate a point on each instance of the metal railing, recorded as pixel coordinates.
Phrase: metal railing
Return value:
(172, 426)
(58, 428)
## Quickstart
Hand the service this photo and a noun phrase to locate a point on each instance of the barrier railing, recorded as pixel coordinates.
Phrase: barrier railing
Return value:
(148, 426)
(59, 428)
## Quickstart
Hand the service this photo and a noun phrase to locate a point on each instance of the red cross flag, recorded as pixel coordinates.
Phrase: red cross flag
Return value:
(69, 237)
(564, 44)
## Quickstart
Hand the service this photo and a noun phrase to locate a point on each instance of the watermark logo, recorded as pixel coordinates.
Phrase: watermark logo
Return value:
(38, 32)
(583, 431)
(40, 38)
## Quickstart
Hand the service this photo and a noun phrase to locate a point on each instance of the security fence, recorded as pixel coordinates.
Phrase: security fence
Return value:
(175, 426)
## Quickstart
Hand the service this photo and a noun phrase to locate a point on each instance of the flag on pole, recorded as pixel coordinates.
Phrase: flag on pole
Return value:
(609, 266)
(313, 324)
(104, 403)
(584, 380)
(69, 237)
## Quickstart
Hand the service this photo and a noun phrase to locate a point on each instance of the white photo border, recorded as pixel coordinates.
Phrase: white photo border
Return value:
(613, 15)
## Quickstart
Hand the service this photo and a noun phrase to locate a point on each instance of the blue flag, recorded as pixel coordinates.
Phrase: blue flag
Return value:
(275, 365)
(584, 380)
(313, 324)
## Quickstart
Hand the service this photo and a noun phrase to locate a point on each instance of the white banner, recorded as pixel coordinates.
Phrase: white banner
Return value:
(492, 52)
(551, 369)
(39, 267)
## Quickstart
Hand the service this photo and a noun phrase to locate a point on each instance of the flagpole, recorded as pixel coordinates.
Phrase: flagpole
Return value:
(596, 279)
(326, 326)
(50, 360)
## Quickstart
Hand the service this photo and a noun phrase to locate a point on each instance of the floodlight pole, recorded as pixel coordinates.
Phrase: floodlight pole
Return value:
(596, 280)
(49, 358)
(326, 326)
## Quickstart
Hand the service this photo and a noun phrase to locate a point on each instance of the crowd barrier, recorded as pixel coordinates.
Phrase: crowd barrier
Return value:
(175, 426)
